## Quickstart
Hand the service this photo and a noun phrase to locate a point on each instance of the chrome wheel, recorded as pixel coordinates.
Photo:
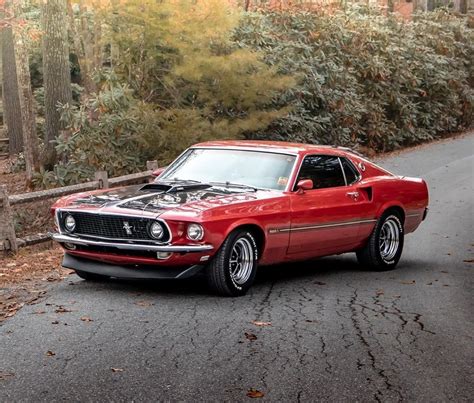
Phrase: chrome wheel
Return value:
(241, 261)
(389, 239)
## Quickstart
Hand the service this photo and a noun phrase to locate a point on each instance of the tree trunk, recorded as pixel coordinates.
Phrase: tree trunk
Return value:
(87, 40)
(56, 72)
(11, 101)
(84, 64)
(30, 139)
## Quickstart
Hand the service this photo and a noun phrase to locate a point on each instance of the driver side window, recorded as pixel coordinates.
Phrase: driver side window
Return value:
(324, 170)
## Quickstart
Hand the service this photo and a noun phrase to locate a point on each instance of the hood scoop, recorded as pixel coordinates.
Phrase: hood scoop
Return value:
(161, 187)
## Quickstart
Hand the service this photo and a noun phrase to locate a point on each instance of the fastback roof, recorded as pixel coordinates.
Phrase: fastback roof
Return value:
(275, 146)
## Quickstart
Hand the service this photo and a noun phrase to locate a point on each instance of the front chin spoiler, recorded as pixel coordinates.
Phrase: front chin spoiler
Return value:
(128, 272)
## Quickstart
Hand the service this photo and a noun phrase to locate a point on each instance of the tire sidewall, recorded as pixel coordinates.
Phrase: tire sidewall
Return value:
(392, 262)
(239, 289)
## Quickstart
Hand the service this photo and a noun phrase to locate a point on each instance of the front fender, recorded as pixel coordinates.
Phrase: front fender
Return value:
(220, 230)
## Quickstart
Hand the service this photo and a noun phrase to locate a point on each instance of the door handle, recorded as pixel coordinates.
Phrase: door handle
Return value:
(353, 195)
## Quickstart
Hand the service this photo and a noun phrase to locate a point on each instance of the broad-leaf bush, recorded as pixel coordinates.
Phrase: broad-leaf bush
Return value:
(366, 79)
(102, 134)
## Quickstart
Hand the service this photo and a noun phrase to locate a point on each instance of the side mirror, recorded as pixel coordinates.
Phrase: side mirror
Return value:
(304, 184)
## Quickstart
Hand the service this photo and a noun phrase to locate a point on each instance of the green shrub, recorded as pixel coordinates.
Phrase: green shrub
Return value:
(366, 79)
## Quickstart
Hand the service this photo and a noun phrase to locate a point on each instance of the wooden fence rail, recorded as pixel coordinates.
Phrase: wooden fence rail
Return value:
(8, 240)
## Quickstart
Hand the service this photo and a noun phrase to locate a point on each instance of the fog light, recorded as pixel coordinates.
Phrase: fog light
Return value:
(163, 255)
(195, 232)
(69, 223)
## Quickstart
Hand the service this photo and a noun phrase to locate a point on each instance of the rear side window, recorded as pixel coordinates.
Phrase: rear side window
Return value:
(324, 170)
(351, 173)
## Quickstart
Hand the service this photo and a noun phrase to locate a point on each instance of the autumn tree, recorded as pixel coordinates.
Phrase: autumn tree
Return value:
(179, 58)
(56, 71)
(11, 101)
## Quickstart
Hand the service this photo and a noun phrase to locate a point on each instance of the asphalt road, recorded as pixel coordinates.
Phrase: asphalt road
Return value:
(338, 333)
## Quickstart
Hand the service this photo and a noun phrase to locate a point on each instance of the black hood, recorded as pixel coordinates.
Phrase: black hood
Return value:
(155, 198)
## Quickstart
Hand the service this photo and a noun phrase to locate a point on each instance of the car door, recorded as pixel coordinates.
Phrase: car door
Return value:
(326, 219)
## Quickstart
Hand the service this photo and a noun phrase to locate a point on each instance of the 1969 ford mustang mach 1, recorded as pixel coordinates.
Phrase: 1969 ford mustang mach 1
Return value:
(222, 207)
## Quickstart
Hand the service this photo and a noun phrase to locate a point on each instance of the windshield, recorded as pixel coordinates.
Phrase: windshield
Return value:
(256, 169)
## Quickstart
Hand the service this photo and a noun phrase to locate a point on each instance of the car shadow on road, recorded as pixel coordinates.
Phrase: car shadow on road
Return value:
(324, 270)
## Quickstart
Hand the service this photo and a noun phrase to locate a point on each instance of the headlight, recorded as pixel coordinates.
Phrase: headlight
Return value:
(195, 232)
(156, 230)
(69, 223)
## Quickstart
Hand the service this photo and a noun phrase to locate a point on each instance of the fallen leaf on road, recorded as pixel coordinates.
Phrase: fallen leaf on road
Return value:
(311, 321)
(319, 283)
(468, 261)
(39, 312)
(55, 322)
(86, 319)
(250, 336)
(408, 282)
(379, 292)
(144, 303)
(117, 369)
(444, 271)
(255, 394)
(5, 375)
(61, 309)
(50, 353)
(430, 283)
(259, 323)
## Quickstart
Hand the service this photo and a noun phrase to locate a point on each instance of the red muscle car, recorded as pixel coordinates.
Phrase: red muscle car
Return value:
(223, 207)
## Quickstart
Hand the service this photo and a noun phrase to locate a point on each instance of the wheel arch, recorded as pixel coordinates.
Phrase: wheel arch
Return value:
(395, 207)
(256, 230)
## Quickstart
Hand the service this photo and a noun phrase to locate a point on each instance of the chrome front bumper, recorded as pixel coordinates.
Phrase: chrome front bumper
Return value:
(61, 238)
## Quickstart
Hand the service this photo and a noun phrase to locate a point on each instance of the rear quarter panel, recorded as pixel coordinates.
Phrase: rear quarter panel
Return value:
(409, 194)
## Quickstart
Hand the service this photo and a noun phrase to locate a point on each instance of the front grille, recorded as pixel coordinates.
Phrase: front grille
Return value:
(112, 226)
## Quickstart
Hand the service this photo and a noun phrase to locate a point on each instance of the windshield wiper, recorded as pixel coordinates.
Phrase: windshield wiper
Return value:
(235, 185)
(184, 180)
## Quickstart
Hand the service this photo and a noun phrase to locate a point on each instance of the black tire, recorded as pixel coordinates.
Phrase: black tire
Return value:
(90, 276)
(371, 256)
(221, 271)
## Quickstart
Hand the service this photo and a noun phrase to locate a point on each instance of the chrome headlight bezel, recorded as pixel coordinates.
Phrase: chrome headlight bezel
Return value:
(69, 223)
(195, 232)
